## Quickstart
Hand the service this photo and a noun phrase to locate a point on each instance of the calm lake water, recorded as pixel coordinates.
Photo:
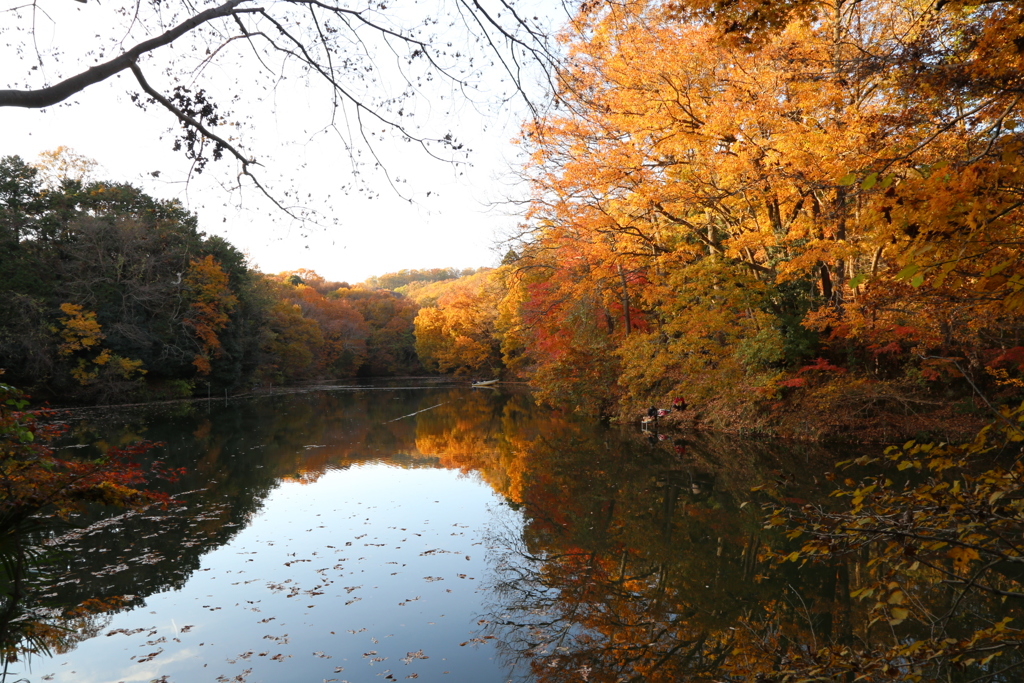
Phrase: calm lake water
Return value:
(432, 532)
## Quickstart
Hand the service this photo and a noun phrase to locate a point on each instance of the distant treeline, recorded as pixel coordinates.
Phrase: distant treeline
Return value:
(107, 294)
(403, 278)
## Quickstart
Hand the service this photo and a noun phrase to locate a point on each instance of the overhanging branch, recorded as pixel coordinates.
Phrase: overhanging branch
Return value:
(54, 94)
(206, 132)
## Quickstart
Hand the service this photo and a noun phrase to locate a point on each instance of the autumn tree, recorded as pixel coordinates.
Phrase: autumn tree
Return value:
(64, 165)
(402, 279)
(390, 344)
(458, 334)
(849, 158)
(559, 324)
(343, 328)
(94, 366)
(211, 301)
(137, 268)
(292, 343)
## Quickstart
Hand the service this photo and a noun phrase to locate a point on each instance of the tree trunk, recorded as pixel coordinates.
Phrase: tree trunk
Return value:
(625, 301)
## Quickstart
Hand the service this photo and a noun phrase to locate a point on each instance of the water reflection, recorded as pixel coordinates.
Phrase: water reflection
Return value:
(617, 557)
(641, 570)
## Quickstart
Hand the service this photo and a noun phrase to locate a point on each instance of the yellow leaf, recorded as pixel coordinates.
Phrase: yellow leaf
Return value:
(962, 556)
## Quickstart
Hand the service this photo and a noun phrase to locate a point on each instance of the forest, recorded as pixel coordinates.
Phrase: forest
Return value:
(733, 264)
(803, 222)
(801, 227)
(110, 295)
(803, 218)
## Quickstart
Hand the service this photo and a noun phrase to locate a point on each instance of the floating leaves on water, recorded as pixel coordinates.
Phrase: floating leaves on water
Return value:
(409, 656)
(477, 640)
(130, 632)
(280, 575)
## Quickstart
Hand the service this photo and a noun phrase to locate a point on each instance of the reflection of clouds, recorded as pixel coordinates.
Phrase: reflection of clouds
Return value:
(137, 673)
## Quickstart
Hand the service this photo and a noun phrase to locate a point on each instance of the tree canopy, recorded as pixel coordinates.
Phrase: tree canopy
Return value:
(813, 201)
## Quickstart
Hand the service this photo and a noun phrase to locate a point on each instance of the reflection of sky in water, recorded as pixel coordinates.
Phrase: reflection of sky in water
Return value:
(370, 573)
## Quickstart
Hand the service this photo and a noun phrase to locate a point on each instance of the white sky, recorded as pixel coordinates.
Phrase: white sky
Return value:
(453, 220)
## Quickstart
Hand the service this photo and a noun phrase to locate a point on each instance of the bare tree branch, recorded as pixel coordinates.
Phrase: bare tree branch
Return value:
(332, 45)
(45, 97)
(198, 125)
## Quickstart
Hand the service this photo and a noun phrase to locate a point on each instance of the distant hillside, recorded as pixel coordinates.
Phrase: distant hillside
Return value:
(403, 278)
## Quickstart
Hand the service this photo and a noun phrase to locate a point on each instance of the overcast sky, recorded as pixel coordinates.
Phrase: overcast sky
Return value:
(455, 217)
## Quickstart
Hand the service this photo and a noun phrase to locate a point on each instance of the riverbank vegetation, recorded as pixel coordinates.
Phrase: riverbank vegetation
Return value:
(805, 225)
(805, 218)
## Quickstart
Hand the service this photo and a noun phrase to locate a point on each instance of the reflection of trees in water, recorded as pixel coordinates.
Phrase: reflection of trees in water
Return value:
(638, 570)
(636, 561)
(623, 560)
(233, 457)
(648, 568)
(33, 625)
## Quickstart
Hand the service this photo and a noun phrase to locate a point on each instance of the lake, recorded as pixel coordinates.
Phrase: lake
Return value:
(433, 531)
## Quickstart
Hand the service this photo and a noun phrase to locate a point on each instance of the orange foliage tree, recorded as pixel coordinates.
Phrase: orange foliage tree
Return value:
(343, 328)
(79, 333)
(292, 344)
(211, 302)
(390, 344)
(855, 165)
(458, 334)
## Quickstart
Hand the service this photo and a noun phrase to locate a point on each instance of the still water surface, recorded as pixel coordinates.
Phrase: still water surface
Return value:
(431, 532)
